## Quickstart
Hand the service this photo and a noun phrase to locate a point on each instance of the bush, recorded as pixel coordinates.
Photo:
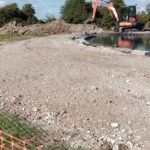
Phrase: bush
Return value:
(50, 18)
(74, 11)
(32, 20)
(105, 21)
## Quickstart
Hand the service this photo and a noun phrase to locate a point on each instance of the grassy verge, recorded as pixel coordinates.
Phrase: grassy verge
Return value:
(146, 29)
(11, 37)
(20, 129)
(25, 131)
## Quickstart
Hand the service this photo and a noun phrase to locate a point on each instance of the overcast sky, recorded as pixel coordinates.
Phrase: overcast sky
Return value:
(44, 7)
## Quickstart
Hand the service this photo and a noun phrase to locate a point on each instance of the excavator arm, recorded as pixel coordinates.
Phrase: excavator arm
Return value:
(109, 6)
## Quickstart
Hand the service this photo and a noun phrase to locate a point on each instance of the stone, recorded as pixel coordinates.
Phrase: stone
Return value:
(106, 146)
(130, 144)
(114, 125)
(94, 88)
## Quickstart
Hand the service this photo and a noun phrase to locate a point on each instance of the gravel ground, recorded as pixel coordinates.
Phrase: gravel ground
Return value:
(90, 97)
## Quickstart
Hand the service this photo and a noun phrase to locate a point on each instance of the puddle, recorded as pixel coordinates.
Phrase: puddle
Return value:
(134, 41)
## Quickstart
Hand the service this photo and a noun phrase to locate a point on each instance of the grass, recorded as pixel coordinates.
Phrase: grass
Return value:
(146, 29)
(11, 37)
(20, 129)
(62, 146)
(25, 131)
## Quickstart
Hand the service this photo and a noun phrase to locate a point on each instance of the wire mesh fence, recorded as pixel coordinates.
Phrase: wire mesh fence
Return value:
(9, 142)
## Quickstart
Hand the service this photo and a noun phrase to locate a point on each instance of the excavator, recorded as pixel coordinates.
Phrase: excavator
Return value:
(127, 21)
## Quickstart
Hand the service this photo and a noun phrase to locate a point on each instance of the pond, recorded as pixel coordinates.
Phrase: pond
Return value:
(133, 41)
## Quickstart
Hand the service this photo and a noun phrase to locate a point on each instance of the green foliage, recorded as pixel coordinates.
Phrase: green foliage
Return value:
(32, 20)
(106, 21)
(145, 16)
(148, 8)
(16, 127)
(118, 4)
(50, 18)
(11, 12)
(62, 146)
(74, 11)
(28, 10)
(10, 37)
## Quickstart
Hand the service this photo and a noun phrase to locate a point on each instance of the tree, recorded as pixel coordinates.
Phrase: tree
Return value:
(10, 11)
(74, 11)
(106, 21)
(28, 10)
(145, 16)
(118, 4)
(148, 8)
(32, 20)
(50, 18)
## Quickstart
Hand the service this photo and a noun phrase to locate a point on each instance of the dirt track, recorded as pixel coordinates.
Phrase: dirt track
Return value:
(80, 94)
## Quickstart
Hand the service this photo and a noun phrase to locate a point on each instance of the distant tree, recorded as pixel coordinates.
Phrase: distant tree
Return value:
(32, 20)
(50, 18)
(74, 11)
(145, 16)
(105, 21)
(118, 4)
(28, 10)
(10, 11)
(3, 19)
(148, 8)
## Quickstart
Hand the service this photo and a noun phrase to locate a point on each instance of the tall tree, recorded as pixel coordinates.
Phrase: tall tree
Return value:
(118, 4)
(28, 10)
(74, 11)
(11, 11)
(148, 8)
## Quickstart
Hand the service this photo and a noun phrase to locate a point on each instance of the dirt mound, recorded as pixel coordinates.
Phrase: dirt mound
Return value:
(54, 27)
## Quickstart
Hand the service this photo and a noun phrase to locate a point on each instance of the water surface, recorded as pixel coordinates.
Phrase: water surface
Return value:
(131, 41)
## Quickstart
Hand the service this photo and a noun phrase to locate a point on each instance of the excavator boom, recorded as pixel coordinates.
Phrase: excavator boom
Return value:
(98, 3)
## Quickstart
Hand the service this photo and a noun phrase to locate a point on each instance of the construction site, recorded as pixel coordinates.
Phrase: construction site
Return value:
(66, 86)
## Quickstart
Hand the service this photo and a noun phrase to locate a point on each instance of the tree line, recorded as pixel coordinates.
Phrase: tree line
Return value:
(73, 11)
(76, 11)
(12, 12)
(145, 16)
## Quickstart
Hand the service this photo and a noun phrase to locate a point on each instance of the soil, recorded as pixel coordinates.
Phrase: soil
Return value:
(54, 27)
(93, 97)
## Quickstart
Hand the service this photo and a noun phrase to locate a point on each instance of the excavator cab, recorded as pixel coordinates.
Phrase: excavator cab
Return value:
(129, 20)
(128, 14)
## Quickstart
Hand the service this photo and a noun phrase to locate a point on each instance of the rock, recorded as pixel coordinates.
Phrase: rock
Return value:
(129, 122)
(130, 145)
(123, 147)
(148, 103)
(35, 109)
(114, 125)
(106, 146)
(115, 147)
(128, 81)
(94, 88)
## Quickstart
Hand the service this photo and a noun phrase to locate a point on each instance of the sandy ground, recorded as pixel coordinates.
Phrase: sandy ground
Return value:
(80, 94)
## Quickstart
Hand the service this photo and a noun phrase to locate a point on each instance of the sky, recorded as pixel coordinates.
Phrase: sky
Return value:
(45, 7)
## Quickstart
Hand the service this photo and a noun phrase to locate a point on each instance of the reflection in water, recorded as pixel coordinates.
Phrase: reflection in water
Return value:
(134, 41)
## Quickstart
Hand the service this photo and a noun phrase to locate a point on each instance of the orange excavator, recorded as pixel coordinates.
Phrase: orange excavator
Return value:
(126, 21)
